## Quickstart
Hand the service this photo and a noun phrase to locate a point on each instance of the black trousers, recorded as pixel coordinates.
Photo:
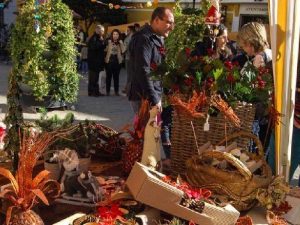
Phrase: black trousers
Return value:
(93, 86)
(112, 71)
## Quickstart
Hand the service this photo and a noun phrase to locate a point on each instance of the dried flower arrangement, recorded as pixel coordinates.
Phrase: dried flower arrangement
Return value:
(134, 149)
(26, 190)
(193, 198)
(208, 75)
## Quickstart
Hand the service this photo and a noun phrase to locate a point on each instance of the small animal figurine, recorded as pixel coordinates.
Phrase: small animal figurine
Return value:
(69, 160)
(67, 157)
(84, 185)
(151, 151)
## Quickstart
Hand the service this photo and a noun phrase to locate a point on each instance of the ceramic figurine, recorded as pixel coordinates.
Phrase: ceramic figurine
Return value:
(84, 185)
(151, 151)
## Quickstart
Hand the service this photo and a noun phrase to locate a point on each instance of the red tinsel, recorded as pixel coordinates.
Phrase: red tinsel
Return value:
(193, 193)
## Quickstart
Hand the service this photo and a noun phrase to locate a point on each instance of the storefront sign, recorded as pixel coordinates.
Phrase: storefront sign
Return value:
(250, 9)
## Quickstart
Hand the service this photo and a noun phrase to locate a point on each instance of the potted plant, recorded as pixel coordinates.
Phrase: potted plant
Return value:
(43, 52)
(25, 190)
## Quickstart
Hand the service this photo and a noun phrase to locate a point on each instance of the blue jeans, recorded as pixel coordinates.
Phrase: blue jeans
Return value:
(84, 66)
(165, 133)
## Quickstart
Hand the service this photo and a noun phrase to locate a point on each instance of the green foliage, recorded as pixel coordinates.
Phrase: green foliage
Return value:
(13, 120)
(54, 123)
(188, 30)
(43, 50)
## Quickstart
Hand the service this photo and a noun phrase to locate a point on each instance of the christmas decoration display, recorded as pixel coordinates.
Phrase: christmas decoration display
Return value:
(43, 50)
(209, 75)
(177, 198)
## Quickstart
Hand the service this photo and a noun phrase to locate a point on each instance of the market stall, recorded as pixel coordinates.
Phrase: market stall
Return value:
(218, 176)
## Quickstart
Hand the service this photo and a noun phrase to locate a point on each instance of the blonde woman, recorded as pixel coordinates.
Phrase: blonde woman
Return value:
(113, 61)
(252, 38)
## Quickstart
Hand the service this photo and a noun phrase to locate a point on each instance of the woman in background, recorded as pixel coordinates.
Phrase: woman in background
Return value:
(113, 61)
(222, 51)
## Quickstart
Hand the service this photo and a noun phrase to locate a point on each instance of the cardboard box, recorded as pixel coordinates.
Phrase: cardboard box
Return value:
(147, 187)
(293, 198)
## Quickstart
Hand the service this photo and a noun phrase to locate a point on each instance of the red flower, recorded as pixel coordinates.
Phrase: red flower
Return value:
(153, 66)
(112, 212)
(188, 52)
(261, 84)
(189, 81)
(209, 82)
(228, 65)
(198, 193)
(162, 51)
(230, 78)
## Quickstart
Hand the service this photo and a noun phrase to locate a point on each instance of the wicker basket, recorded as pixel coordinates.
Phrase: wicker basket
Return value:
(183, 140)
(239, 185)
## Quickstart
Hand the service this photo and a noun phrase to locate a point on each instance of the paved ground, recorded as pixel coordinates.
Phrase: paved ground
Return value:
(113, 111)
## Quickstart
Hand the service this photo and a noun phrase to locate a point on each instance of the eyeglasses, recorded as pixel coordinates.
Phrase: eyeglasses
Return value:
(171, 23)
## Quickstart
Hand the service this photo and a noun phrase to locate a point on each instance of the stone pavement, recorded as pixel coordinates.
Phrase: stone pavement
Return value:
(112, 111)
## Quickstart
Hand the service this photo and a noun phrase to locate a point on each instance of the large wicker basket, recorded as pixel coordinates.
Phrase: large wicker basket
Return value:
(183, 139)
(238, 184)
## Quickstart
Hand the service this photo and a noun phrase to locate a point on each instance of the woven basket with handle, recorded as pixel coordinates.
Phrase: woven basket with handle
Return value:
(183, 141)
(237, 184)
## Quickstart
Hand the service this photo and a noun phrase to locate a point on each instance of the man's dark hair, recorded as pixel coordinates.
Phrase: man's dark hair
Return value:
(136, 26)
(131, 28)
(158, 12)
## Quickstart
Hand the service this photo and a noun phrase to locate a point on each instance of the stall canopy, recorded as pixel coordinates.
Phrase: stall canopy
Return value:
(284, 33)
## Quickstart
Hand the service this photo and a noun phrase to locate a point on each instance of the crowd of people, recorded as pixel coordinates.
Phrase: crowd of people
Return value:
(141, 47)
(102, 56)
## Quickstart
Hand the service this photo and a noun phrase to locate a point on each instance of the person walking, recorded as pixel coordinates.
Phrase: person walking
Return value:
(96, 47)
(146, 49)
(113, 61)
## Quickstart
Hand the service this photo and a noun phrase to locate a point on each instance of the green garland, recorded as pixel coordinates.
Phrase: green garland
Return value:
(188, 30)
(43, 50)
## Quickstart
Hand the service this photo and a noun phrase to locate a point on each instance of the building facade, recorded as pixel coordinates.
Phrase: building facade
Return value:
(235, 12)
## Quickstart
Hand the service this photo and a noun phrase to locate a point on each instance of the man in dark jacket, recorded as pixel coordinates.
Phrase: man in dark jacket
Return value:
(146, 51)
(96, 46)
